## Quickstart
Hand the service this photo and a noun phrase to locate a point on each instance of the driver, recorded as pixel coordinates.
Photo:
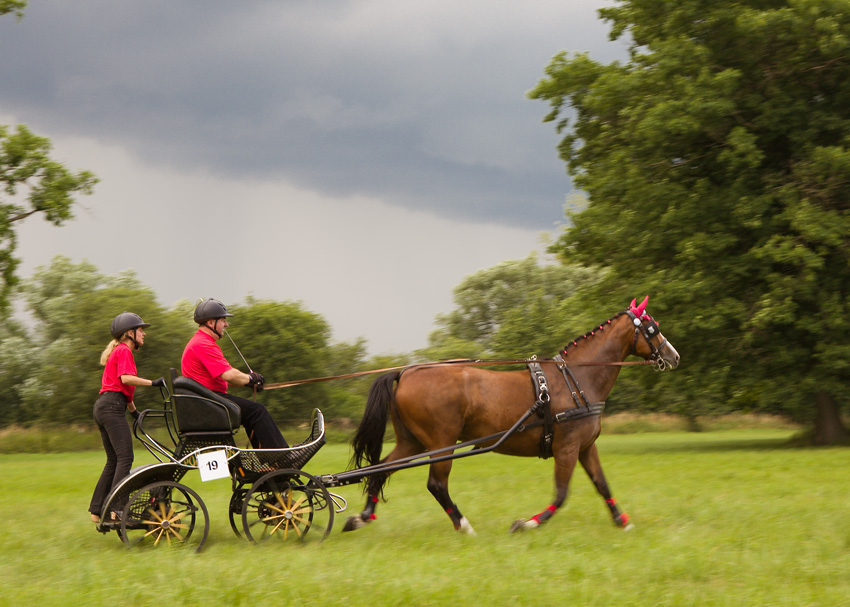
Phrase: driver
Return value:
(204, 362)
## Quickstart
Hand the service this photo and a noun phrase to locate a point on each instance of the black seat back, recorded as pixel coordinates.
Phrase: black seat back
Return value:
(199, 409)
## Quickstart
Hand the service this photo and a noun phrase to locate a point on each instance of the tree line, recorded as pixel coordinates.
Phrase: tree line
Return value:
(49, 364)
(715, 169)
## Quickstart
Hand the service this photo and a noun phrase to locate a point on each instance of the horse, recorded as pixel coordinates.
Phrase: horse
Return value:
(435, 406)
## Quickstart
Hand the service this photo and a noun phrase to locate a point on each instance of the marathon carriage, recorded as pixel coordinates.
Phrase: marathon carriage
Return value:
(439, 411)
(272, 497)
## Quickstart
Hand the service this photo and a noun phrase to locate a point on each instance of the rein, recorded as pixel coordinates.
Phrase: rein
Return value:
(507, 361)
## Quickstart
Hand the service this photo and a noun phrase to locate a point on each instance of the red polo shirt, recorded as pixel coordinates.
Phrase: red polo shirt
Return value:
(204, 362)
(120, 362)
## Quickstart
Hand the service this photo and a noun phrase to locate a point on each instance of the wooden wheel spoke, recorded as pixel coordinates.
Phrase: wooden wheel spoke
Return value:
(281, 523)
(176, 516)
(275, 507)
(158, 531)
(297, 529)
(173, 531)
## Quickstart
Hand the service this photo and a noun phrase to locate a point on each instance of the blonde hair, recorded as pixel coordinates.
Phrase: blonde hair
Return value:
(104, 356)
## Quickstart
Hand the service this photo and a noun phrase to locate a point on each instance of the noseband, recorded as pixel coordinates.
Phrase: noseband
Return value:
(648, 330)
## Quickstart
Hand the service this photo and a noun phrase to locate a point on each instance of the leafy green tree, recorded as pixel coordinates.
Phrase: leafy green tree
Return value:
(18, 358)
(517, 308)
(347, 397)
(716, 161)
(13, 6)
(32, 183)
(74, 305)
(283, 342)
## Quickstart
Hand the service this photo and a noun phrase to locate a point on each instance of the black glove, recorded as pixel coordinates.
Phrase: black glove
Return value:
(135, 413)
(158, 382)
(256, 381)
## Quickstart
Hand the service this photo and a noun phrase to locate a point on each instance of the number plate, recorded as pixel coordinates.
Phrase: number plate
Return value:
(213, 465)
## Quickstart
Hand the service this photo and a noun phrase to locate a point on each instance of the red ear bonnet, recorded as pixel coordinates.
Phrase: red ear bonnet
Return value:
(639, 310)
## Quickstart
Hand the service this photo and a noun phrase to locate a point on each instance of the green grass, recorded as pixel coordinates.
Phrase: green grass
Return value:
(722, 518)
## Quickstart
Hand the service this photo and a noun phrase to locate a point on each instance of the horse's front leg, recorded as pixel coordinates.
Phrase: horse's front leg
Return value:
(565, 463)
(438, 485)
(590, 461)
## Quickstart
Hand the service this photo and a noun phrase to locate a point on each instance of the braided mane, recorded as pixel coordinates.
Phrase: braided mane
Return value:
(590, 333)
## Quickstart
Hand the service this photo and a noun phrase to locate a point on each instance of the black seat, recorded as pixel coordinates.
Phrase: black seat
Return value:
(199, 409)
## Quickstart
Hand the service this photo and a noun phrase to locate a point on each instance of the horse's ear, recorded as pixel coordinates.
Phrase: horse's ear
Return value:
(633, 304)
(642, 307)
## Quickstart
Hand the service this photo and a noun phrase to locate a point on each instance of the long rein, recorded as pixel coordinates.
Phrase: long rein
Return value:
(473, 362)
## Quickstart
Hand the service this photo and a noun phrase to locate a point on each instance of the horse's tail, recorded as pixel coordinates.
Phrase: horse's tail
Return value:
(369, 439)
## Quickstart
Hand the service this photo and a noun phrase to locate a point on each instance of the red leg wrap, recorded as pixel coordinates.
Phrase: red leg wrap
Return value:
(550, 510)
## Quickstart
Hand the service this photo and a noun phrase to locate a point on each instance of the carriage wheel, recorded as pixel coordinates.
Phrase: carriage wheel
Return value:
(235, 509)
(165, 514)
(286, 505)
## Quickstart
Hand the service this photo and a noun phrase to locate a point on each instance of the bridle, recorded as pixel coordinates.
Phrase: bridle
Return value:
(649, 331)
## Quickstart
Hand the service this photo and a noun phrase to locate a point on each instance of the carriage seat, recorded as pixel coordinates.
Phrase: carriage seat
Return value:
(199, 409)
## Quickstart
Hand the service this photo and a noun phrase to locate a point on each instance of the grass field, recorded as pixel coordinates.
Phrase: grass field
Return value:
(722, 518)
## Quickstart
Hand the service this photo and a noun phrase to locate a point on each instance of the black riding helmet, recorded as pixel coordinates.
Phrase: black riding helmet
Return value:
(210, 309)
(127, 321)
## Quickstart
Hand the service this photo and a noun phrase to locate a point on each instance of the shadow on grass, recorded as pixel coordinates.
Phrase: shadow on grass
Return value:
(713, 443)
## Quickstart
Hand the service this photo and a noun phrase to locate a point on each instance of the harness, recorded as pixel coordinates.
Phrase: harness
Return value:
(542, 406)
(583, 407)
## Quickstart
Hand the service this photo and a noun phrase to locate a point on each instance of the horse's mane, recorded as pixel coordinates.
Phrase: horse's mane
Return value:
(590, 333)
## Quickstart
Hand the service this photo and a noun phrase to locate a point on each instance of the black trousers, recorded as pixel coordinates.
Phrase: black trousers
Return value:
(109, 414)
(259, 425)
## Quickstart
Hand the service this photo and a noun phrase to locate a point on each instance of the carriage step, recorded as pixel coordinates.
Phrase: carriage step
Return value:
(340, 503)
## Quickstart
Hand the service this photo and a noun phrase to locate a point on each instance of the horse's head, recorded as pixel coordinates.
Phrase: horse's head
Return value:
(649, 343)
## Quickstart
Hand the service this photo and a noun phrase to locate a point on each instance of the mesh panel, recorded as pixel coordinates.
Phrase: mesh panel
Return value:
(255, 462)
(144, 475)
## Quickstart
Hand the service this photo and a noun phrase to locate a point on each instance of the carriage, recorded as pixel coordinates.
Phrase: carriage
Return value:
(271, 495)
(440, 412)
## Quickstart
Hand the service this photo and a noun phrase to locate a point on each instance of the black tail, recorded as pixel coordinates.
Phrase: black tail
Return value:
(369, 439)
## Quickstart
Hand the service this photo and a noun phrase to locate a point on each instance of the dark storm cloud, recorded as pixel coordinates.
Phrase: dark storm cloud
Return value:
(420, 104)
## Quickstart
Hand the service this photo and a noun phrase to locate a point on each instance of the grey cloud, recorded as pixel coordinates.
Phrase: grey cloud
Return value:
(421, 104)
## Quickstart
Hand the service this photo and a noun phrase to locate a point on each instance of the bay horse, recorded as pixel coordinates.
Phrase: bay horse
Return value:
(435, 406)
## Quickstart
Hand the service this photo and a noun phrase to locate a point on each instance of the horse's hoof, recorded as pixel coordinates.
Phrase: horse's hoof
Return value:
(354, 522)
(523, 525)
(465, 527)
(628, 527)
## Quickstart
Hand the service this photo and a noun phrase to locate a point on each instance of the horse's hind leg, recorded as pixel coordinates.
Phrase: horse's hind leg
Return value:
(590, 461)
(564, 466)
(438, 485)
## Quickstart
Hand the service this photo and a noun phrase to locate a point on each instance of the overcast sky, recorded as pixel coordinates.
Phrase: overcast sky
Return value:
(361, 157)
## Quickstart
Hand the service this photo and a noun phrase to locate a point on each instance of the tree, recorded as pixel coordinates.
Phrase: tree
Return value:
(32, 182)
(51, 373)
(517, 308)
(283, 342)
(13, 6)
(716, 161)
(73, 306)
